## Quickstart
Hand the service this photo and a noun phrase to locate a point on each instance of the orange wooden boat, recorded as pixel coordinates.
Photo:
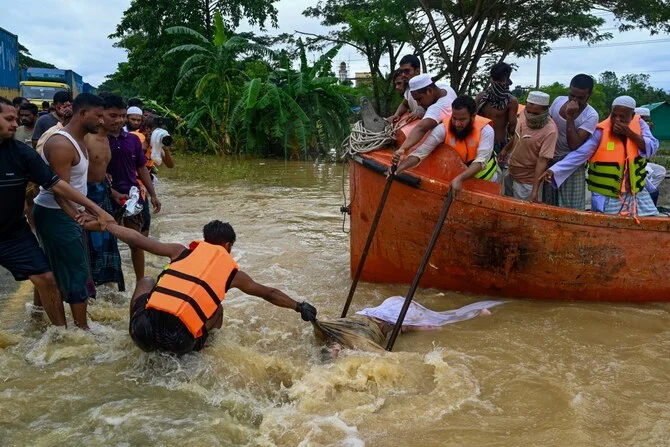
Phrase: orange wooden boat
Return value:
(495, 245)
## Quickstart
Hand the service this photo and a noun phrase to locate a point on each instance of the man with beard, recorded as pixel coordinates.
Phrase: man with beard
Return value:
(62, 101)
(27, 117)
(617, 153)
(105, 259)
(470, 135)
(128, 163)
(60, 235)
(436, 100)
(576, 121)
(532, 149)
(499, 105)
(134, 119)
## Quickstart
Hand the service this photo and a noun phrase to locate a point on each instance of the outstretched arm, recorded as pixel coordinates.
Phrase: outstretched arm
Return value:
(425, 125)
(247, 285)
(136, 239)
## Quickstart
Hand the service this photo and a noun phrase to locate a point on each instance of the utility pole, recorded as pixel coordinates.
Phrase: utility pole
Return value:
(537, 77)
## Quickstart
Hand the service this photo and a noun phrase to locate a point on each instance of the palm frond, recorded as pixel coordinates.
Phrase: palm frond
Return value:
(184, 30)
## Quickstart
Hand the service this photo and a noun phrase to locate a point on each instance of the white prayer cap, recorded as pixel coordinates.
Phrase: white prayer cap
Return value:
(538, 98)
(624, 101)
(419, 82)
(642, 111)
(134, 111)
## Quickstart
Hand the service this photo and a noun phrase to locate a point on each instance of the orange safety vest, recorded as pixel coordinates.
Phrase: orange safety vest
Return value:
(613, 160)
(467, 149)
(193, 287)
(147, 152)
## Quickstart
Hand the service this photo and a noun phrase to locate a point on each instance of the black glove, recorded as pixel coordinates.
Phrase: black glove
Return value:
(307, 311)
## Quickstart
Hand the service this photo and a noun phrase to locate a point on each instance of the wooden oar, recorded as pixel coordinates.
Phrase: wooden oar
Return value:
(368, 243)
(422, 268)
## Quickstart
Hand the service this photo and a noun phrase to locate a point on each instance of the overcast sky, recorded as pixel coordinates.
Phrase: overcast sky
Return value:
(73, 34)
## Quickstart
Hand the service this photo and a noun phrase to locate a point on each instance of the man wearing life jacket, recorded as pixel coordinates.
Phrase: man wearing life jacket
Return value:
(617, 153)
(470, 135)
(436, 99)
(177, 312)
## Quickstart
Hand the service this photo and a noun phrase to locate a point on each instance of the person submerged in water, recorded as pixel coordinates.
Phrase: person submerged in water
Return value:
(371, 328)
(176, 312)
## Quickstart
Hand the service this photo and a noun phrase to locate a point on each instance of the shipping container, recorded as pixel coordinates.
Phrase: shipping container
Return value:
(9, 64)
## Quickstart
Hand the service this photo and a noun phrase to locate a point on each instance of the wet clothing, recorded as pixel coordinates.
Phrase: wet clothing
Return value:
(23, 257)
(153, 330)
(127, 157)
(63, 241)
(173, 316)
(103, 246)
(19, 164)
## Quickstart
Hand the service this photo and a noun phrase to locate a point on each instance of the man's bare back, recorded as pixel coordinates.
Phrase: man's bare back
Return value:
(500, 117)
(99, 154)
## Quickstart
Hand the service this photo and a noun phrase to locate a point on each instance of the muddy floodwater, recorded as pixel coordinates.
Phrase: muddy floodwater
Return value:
(530, 374)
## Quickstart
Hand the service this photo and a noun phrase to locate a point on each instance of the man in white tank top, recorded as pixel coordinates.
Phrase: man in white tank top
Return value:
(61, 237)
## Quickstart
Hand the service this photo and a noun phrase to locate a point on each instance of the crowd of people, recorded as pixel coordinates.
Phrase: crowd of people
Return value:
(545, 151)
(79, 178)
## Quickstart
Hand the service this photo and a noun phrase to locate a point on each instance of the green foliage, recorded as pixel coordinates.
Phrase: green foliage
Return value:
(142, 33)
(301, 113)
(462, 38)
(26, 60)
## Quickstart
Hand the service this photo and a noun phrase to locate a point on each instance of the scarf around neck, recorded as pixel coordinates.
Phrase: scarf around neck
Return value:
(497, 94)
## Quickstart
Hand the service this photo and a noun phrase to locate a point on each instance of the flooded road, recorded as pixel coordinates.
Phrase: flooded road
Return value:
(549, 374)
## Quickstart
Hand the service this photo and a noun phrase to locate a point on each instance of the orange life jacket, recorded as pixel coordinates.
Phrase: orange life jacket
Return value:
(613, 160)
(467, 149)
(193, 287)
(147, 151)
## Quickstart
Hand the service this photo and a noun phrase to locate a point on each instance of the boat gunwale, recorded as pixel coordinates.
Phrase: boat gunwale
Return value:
(474, 196)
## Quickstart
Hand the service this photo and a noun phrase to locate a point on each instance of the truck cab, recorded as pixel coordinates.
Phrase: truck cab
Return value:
(38, 91)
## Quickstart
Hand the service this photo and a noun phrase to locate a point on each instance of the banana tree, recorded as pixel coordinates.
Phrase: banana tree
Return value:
(210, 72)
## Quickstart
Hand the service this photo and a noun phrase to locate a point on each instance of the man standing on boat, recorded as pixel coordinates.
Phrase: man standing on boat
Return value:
(576, 121)
(499, 105)
(617, 153)
(470, 135)
(437, 102)
(532, 148)
(655, 172)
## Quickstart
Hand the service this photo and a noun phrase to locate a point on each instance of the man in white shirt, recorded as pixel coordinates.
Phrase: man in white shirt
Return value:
(410, 66)
(470, 135)
(437, 102)
(576, 121)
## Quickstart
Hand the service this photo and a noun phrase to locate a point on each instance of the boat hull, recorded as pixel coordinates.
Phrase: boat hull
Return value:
(496, 245)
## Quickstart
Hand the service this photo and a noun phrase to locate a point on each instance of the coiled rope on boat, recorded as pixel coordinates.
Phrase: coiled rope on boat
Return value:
(362, 140)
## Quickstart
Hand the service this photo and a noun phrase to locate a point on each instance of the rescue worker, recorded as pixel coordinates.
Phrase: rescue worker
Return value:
(177, 312)
(436, 100)
(470, 135)
(617, 153)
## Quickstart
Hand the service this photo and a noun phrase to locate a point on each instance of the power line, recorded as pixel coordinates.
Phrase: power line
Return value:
(613, 44)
